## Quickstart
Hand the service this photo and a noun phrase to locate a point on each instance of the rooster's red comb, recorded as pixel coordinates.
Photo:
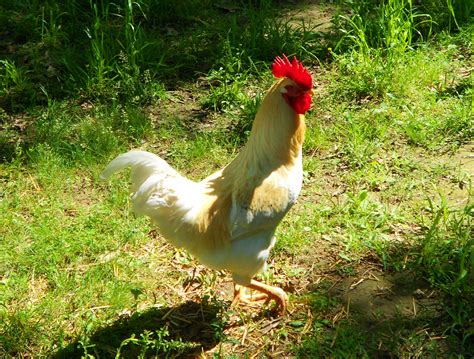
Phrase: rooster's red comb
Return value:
(293, 70)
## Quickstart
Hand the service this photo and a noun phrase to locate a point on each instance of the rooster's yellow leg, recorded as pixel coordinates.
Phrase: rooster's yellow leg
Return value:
(266, 292)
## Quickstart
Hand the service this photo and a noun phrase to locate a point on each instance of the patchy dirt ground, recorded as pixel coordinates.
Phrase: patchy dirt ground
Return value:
(313, 13)
(376, 299)
(463, 163)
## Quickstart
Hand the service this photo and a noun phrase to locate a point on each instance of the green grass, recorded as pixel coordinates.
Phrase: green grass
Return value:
(387, 181)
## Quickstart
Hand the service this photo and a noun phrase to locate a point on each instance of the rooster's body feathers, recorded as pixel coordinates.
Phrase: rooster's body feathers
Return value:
(224, 226)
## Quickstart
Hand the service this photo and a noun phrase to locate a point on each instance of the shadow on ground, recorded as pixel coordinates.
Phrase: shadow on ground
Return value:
(380, 315)
(184, 330)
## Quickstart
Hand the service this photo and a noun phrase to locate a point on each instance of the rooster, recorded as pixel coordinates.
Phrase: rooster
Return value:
(228, 220)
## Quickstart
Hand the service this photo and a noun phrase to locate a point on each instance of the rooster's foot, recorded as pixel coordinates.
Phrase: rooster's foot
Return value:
(241, 297)
(267, 293)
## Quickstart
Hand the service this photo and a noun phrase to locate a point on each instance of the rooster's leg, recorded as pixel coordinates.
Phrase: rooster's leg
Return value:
(266, 292)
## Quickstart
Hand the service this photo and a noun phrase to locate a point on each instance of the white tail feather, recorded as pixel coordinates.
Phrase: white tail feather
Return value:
(143, 165)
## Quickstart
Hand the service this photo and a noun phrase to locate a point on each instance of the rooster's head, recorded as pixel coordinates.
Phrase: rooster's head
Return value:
(298, 94)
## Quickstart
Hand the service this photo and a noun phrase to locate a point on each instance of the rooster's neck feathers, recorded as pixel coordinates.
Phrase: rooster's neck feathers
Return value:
(277, 133)
(274, 147)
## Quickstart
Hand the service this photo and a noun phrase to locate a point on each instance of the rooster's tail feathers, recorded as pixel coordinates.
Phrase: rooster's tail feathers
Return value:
(143, 165)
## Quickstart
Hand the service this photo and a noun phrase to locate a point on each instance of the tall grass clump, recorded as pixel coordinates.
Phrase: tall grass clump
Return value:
(391, 25)
(116, 68)
(446, 257)
(449, 15)
(374, 39)
(95, 48)
(99, 66)
(14, 85)
(134, 43)
(378, 34)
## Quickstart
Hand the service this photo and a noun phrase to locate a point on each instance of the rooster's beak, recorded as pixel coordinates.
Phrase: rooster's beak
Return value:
(311, 92)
